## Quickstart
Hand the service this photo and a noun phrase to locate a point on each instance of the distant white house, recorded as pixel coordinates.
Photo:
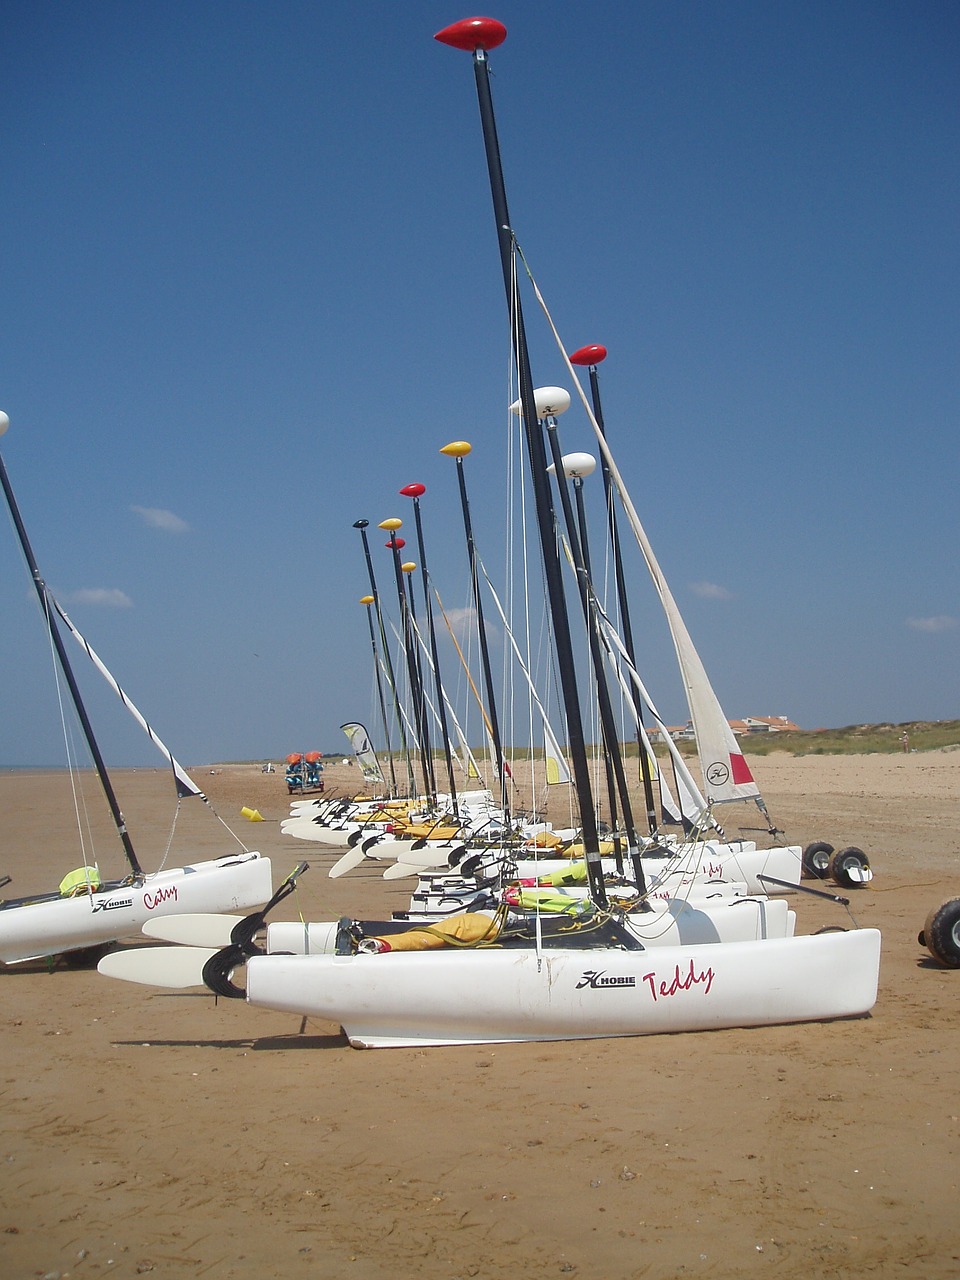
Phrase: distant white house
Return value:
(767, 724)
(741, 728)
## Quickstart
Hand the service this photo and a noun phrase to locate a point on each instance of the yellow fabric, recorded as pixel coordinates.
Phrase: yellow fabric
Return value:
(578, 851)
(545, 840)
(467, 928)
(423, 831)
(83, 880)
(549, 901)
(576, 873)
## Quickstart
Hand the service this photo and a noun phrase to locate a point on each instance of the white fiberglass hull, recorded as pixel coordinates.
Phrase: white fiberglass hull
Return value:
(491, 996)
(50, 926)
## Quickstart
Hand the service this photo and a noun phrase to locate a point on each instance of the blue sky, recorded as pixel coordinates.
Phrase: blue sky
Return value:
(251, 286)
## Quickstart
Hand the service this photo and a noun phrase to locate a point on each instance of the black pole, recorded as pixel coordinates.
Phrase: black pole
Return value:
(617, 758)
(544, 504)
(621, 582)
(415, 649)
(434, 654)
(41, 588)
(607, 722)
(481, 628)
(363, 525)
(416, 696)
(368, 601)
(610, 744)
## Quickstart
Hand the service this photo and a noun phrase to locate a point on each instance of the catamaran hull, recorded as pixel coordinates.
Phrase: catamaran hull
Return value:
(701, 862)
(682, 923)
(47, 927)
(485, 997)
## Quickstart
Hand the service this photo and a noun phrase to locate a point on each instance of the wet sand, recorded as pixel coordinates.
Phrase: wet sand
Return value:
(159, 1132)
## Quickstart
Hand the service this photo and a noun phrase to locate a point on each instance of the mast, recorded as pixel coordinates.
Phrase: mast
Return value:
(458, 449)
(416, 491)
(45, 605)
(591, 356)
(394, 546)
(363, 525)
(477, 36)
(368, 601)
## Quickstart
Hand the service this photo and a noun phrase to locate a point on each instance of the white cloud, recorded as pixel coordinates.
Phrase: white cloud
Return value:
(157, 518)
(942, 622)
(108, 597)
(711, 591)
(463, 623)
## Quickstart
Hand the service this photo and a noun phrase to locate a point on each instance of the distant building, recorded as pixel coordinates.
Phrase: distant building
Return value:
(741, 728)
(768, 724)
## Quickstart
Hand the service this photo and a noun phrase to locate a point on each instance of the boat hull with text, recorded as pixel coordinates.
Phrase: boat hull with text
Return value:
(492, 996)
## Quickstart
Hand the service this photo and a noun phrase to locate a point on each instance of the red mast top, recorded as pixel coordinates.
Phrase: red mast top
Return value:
(471, 34)
(415, 490)
(591, 354)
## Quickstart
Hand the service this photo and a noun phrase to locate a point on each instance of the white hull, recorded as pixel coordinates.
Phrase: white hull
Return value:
(700, 862)
(48, 927)
(491, 996)
(439, 900)
(316, 832)
(686, 924)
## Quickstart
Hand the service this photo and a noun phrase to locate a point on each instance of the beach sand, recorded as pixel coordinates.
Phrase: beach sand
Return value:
(147, 1131)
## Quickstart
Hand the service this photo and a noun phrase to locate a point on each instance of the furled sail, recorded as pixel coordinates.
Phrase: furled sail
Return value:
(359, 740)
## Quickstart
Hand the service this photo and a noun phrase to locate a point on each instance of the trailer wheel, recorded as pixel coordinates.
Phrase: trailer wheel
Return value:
(941, 933)
(816, 859)
(850, 868)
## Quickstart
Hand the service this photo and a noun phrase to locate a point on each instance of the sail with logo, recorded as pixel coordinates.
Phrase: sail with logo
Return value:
(359, 740)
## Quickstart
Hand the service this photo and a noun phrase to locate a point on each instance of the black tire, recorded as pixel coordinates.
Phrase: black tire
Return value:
(942, 933)
(845, 863)
(816, 860)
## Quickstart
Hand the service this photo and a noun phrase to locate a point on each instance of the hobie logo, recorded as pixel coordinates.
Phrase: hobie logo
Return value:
(112, 904)
(718, 773)
(592, 978)
(153, 900)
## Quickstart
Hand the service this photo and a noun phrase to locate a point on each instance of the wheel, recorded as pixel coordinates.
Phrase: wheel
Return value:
(816, 859)
(850, 868)
(942, 933)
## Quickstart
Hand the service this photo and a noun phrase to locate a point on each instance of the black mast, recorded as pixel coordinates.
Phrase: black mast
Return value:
(368, 601)
(416, 491)
(413, 668)
(458, 450)
(363, 525)
(45, 605)
(476, 36)
(591, 356)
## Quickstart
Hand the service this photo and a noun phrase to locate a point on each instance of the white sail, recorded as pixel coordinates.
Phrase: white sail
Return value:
(726, 774)
(185, 784)
(556, 766)
(465, 759)
(359, 740)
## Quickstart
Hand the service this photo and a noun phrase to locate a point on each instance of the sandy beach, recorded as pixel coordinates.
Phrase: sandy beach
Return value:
(156, 1132)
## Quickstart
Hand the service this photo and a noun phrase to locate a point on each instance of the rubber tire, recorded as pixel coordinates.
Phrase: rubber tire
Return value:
(816, 860)
(942, 933)
(844, 858)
